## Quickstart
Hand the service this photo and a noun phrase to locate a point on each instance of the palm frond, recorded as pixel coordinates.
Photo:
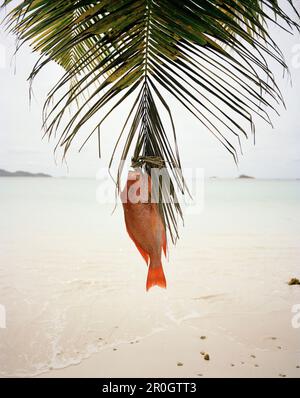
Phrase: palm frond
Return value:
(211, 55)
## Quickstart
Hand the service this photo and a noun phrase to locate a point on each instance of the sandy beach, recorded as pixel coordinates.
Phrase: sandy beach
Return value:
(73, 286)
(178, 352)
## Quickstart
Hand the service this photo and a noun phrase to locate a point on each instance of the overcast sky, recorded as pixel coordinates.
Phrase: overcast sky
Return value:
(276, 154)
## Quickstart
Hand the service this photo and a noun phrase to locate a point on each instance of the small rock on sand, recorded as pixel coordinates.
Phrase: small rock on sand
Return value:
(281, 375)
(252, 356)
(293, 281)
(202, 337)
(206, 357)
(179, 364)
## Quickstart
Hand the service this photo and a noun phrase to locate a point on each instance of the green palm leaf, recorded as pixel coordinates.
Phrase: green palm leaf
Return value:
(211, 55)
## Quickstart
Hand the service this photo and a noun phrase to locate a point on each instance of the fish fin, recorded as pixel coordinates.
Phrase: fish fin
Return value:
(144, 254)
(156, 277)
(164, 242)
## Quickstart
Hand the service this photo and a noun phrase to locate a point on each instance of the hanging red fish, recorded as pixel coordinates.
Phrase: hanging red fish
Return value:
(144, 225)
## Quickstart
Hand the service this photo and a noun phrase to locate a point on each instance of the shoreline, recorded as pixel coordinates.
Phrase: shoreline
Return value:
(179, 352)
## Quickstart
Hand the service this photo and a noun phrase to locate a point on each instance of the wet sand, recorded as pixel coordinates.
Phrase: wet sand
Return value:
(257, 346)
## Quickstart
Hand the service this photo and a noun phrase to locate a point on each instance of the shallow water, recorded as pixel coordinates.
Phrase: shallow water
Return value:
(72, 283)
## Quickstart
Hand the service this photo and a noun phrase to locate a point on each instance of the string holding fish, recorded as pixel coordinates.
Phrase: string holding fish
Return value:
(148, 162)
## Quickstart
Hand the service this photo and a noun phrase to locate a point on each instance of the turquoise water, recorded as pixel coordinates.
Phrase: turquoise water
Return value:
(72, 283)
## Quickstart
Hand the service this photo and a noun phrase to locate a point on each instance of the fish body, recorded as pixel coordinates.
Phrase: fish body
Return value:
(144, 225)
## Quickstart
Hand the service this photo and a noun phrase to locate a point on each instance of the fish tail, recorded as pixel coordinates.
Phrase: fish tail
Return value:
(156, 277)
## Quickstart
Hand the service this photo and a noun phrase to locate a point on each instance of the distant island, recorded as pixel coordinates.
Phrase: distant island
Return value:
(245, 176)
(5, 173)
